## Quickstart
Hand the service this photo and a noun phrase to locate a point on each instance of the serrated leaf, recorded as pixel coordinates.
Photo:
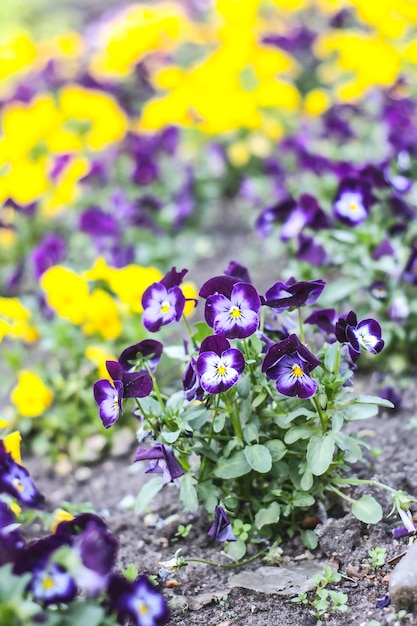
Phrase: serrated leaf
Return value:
(258, 457)
(268, 515)
(233, 467)
(367, 510)
(320, 450)
(147, 493)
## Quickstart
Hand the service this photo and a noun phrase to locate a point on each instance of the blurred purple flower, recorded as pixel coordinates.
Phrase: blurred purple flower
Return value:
(11, 540)
(50, 251)
(353, 201)
(138, 601)
(96, 223)
(16, 481)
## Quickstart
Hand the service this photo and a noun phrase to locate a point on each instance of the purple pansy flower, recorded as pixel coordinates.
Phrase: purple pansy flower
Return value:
(353, 201)
(219, 366)
(191, 382)
(221, 529)
(311, 251)
(234, 316)
(15, 480)
(410, 270)
(366, 334)
(238, 271)
(138, 601)
(161, 460)
(289, 363)
(11, 540)
(163, 302)
(50, 251)
(324, 319)
(51, 582)
(282, 296)
(295, 215)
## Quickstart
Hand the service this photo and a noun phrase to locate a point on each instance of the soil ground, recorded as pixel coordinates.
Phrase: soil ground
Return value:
(203, 595)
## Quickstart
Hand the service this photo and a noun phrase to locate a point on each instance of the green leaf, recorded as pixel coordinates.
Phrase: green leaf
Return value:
(250, 432)
(233, 467)
(373, 400)
(367, 510)
(268, 515)
(277, 449)
(258, 457)
(357, 411)
(236, 549)
(219, 422)
(147, 493)
(349, 444)
(320, 450)
(309, 539)
(307, 480)
(188, 492)
(170, 437)
(296, 433)
(202, 331)
(283, 421)
(331, 356)
(259, 399)
(175, 401)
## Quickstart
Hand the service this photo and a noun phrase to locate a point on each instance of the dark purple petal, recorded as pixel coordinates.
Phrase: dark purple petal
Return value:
(132, 600)
(382, 603)
(219, 373)
(288, 347)
(173, 278)
(115, 370)
(282, 296)
(96, 223)
(51, 250)
(137, 384)
(218, 284)
(148, 349)
(214, 343)
(236, 317)
(324, 319)
(353, 201)
(161, 306)
(238, 271)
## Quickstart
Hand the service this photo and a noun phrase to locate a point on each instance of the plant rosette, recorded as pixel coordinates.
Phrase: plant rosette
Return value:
(255, 432)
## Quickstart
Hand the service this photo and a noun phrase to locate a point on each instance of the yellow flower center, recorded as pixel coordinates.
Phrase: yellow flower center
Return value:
(165, 306)
(18, 484)
(48, 582)
(142, 608)
(221, 370)
(353, 206)
(297, 371)
(235, 312)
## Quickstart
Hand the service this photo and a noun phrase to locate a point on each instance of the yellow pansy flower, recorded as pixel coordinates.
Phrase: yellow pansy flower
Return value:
(102, 315)
(31, 396)
(66, 292)
(12, 445)
(130, 282)
(59, 515)
(66, 189)
(99, 356)
(190, 292)
(16, 54)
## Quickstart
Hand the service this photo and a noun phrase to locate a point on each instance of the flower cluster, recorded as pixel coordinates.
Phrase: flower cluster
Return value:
(265, 394)
(79, 556)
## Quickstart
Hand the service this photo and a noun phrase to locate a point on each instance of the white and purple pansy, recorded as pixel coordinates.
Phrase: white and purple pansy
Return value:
(366, 334)
(109, 396)
(16, 481)
(289, 363)
(353, 201)
(161, 306)
(235, 316)
(219, 366)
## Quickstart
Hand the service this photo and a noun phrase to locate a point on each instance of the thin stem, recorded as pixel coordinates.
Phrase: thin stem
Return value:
(363, 481)
(189, 331)
(229, 565)
(341, 494)
(156, 388)
(337, 361)
(323, 417)
(300, 325)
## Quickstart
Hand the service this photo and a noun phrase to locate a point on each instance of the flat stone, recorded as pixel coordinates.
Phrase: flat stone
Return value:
(403, 582)
(288, 580)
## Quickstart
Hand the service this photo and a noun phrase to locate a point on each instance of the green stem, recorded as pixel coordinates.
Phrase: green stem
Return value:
(322, 415)
(233, 411)
(363, 481)
(156, 388)
(189, 331)
(337, 361)
(300, 325)
(341, 494)
(229, 565)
